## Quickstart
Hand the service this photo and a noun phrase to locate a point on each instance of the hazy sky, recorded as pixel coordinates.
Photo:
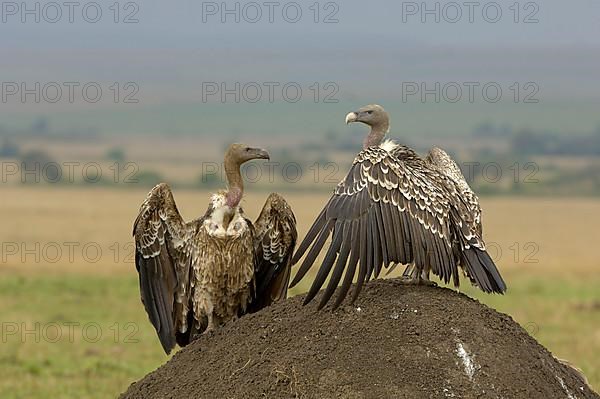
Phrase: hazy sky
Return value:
(197, 24)
(369, 49)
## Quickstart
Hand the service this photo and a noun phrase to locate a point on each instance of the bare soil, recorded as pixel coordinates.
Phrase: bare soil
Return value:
(396, 341)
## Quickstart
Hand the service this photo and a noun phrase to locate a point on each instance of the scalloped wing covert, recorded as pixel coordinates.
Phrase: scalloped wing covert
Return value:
(274, 243)
(165, 249)
(392, 208)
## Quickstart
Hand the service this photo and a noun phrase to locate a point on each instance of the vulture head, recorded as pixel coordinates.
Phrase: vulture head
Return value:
(235, 156)
(238, 153)
(372, 115)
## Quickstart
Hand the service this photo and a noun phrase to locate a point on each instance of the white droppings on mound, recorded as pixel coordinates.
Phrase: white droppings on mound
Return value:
(566, 389)
(470, 366)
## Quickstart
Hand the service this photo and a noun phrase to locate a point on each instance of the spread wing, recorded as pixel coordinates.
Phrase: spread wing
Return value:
(389, 210)
(274, 243)
(164, 247)
(443, 163)
(439, 160)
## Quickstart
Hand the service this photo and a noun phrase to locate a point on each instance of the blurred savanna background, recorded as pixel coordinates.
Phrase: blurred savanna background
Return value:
(96, 108)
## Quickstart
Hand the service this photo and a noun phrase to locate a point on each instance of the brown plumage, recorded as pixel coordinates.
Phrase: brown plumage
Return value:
(439, 160)
(198, 275)
(393, 208)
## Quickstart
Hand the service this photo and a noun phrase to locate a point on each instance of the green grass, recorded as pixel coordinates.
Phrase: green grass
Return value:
(75, 366)
(563, 314)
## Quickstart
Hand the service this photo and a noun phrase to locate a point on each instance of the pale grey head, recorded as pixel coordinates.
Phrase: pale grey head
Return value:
(376, 117)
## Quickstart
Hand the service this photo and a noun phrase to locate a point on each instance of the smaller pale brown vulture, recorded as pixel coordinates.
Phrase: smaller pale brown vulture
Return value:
(195, 276)
(394, 207)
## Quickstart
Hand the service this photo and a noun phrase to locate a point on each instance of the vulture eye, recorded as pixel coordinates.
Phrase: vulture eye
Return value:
(369, 112)
(247, 148)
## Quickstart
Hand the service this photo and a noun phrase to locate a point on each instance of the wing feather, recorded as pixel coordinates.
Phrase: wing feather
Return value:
(377, 244)
(351, 270)
(339, 265)
(477, 264)
(313, 252)
(363, 258)
(327, 261)
(274, 242)
(162, 258)
(403, 211)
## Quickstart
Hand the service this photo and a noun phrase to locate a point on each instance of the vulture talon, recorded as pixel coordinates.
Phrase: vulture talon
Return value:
(429, 283)
(209, 332)
(417, 280)
(195, 336)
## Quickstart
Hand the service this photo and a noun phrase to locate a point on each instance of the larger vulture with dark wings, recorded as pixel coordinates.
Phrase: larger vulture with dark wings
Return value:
(394, 207)
(197, 275)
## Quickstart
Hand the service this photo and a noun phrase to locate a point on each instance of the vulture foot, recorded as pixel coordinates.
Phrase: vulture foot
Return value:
(408, 280)
(209, 332)
(195, 336)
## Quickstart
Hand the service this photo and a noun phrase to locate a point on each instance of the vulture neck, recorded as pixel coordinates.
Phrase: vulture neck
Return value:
(235, 183)
(376, 134)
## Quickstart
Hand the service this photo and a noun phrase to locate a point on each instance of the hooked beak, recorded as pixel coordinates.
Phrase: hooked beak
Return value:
(351, 117)
(259, 153)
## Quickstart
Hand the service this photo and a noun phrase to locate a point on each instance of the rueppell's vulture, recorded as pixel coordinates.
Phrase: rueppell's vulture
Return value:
(198, 275)
(394, 207)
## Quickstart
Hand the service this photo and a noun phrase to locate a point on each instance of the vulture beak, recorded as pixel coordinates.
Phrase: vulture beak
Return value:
(259, 153)
(351, 117)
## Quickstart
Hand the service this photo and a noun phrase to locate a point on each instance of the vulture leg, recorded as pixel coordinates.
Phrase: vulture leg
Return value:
(412, 276)
(211, 322)
(424, 280)
(197, 329)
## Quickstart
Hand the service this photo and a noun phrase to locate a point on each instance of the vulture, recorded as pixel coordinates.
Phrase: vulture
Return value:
(394, 207)
(198, 275)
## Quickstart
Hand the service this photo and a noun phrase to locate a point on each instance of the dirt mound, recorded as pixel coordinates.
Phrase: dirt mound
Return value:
(396, 341)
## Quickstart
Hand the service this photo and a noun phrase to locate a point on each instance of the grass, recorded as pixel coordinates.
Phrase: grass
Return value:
(109, 344)
(562, 315)
(556, 297)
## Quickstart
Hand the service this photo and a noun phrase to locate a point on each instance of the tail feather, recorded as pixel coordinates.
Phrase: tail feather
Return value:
(481, 268)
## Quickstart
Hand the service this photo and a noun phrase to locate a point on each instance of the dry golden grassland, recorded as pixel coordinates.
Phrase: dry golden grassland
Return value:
(545, 248)
(542, 234)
